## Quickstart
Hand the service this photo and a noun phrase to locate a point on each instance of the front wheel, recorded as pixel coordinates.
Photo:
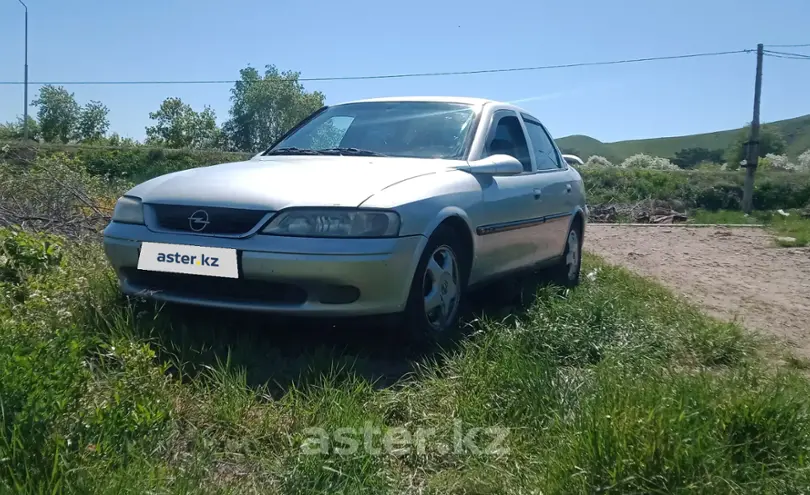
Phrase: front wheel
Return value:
(437, 290)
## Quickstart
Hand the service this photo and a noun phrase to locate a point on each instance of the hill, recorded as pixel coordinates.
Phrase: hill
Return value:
(796, 132)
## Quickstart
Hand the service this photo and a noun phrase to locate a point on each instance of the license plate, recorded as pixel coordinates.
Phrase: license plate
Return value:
(191, 260)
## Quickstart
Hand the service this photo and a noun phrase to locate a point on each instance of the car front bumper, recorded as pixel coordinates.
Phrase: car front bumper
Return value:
(303, 276)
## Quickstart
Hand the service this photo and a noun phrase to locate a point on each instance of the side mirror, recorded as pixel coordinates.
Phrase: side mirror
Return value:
(497, 165)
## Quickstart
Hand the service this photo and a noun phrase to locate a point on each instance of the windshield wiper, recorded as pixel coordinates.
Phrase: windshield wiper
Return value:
(349, 151)
(292, 151)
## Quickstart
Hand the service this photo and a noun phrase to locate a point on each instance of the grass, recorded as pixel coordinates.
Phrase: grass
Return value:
(794, 225)
(617, 386)
(796, 132)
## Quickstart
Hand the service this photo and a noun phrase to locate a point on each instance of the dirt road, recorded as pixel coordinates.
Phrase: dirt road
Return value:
(733, 273)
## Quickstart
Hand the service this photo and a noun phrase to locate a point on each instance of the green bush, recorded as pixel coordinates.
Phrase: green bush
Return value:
(135, 164)
(707, 189)
(23, 253)
(139, 164)
(781, 190)
(724, 196)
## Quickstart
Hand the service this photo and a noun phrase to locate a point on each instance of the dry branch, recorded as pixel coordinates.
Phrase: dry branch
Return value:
(53, 195)
(646, 211)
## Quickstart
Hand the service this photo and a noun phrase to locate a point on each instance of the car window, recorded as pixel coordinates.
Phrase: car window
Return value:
(508, 139)
(545, 155)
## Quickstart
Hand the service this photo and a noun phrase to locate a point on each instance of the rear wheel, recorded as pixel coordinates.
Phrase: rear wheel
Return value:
(437, 290)
(567, 272)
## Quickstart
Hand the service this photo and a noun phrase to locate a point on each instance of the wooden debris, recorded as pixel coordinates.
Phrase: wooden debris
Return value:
(659, 212)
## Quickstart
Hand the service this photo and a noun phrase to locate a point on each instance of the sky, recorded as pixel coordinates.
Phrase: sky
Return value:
(86, 40)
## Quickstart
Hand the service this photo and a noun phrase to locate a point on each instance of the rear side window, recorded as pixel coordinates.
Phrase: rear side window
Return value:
(545, 155)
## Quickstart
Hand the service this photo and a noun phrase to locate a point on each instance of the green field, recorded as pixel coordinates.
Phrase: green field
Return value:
(617, 386)
(796, 132)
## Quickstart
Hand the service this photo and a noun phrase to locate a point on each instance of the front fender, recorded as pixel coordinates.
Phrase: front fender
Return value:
(444, 214)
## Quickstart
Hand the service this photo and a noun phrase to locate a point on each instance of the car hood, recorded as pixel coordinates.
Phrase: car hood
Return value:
(282, 181)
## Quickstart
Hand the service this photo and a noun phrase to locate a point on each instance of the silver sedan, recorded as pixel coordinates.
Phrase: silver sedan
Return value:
(382, 206)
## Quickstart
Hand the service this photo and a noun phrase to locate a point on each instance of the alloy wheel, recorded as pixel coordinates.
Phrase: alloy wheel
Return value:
(440, 288)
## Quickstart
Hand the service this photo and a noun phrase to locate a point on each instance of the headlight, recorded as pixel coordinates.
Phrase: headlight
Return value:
(310, 222)
(128, 210)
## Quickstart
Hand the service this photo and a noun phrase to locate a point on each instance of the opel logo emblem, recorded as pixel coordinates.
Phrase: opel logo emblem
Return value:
(198, 220)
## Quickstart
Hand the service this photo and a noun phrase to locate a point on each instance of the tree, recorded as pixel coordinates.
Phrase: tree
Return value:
(179, 126)
(689, 157)
(770, 142)
(58, 113)
(116, 140)
(15, 130)
(265, 107)
(93, 122)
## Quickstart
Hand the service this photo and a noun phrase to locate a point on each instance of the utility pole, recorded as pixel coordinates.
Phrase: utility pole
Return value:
(25, 108)
(752, 158)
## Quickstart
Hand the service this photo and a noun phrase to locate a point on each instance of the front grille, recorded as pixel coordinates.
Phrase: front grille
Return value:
(230, 221)
(215, 288)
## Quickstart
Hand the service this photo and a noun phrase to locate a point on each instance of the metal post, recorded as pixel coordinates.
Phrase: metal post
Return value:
(25, 108)
(752, 158)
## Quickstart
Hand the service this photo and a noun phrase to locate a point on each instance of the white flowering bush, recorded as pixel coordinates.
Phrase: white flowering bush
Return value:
(779, 162)
(804, 161)
(598, 161)
(641, 160)
(782, 162)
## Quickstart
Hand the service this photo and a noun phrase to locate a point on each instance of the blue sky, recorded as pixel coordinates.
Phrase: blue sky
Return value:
(208, 39)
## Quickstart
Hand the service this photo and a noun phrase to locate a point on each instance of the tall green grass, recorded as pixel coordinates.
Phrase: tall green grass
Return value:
(617, 386)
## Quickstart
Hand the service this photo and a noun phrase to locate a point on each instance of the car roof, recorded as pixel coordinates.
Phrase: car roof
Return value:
(573, 157)
(446, 99)
(464, 100)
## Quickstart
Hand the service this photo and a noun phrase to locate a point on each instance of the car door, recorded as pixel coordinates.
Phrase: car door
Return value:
(555, 183)
(512, 211)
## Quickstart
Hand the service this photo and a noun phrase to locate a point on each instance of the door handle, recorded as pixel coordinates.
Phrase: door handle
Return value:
(568, 188)
(537, 193)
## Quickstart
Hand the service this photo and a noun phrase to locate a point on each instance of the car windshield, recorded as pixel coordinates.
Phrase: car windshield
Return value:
(403, 129)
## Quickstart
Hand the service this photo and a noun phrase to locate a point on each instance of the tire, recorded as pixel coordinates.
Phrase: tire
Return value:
(440, 281)
(567, 272)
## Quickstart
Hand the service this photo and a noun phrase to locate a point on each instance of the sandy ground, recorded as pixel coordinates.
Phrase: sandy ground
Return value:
(736, 274)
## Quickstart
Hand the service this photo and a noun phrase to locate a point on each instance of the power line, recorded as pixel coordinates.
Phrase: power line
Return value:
(401, 76)
(790, 46)
(787, 55)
